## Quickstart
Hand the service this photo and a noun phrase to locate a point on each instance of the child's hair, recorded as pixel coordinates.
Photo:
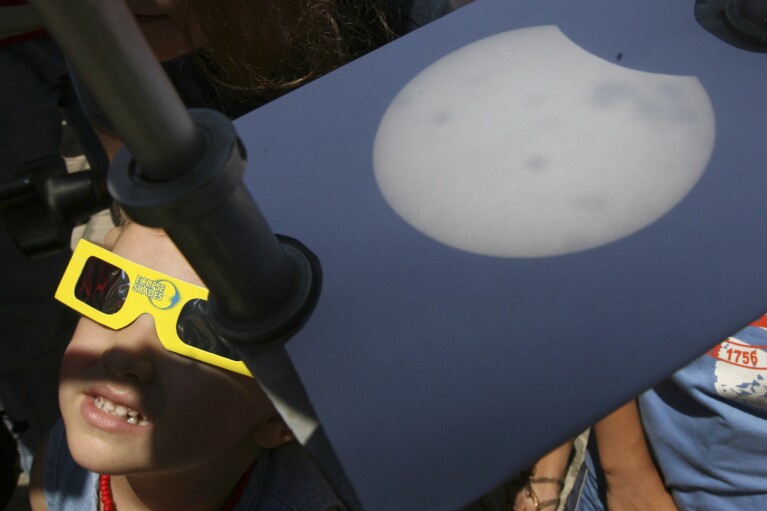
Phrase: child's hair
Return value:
(270, 46)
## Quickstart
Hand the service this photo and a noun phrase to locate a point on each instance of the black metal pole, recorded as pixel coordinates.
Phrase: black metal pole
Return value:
(104, 43)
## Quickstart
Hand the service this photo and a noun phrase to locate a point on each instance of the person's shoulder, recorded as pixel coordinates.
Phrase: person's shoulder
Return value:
(291, 481)
(55, 474)
(46, 454)
(37, 477)
(413, 14)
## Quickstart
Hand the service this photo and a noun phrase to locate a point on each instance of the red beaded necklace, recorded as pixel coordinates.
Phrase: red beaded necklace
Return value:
(105, 493)
(108, 503)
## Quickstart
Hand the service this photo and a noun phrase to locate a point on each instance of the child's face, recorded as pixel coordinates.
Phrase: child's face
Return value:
(189, 414)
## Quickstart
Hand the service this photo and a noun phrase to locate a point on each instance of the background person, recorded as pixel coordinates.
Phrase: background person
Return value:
(35, 95)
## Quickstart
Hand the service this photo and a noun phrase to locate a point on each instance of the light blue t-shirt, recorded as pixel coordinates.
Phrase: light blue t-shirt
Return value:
(707, 426)
(283, 479)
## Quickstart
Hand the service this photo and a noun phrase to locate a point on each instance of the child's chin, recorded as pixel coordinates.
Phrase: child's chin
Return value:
(100, 466)
(100, 457)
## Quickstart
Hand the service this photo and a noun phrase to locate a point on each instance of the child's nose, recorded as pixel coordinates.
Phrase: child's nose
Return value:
(131, 353)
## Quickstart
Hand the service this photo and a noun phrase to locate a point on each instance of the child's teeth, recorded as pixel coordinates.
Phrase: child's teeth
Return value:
(129, 414)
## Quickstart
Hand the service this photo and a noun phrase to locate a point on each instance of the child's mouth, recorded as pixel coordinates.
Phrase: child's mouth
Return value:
(130, 415)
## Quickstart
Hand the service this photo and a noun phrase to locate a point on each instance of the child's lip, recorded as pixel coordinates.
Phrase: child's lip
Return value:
(109, 423)
(120, 396)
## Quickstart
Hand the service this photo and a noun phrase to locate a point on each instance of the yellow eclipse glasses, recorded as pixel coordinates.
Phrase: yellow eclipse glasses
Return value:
(114, 292)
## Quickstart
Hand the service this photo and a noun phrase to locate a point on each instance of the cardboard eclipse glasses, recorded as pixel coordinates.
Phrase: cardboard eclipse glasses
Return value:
(114, 292)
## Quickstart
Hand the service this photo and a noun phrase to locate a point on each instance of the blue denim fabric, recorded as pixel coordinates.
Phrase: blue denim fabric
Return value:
(588, 490)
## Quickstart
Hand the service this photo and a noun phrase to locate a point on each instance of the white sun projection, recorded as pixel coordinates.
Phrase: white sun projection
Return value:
(525, 145)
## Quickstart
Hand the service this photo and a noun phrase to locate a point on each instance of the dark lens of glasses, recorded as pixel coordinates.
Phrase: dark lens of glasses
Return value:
(194, 329)
(103, 286)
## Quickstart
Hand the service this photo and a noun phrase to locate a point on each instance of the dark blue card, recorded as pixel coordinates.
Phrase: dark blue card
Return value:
(527, 212)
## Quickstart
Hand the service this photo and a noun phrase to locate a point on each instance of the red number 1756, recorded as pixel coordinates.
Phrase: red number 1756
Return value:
(743, 356)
